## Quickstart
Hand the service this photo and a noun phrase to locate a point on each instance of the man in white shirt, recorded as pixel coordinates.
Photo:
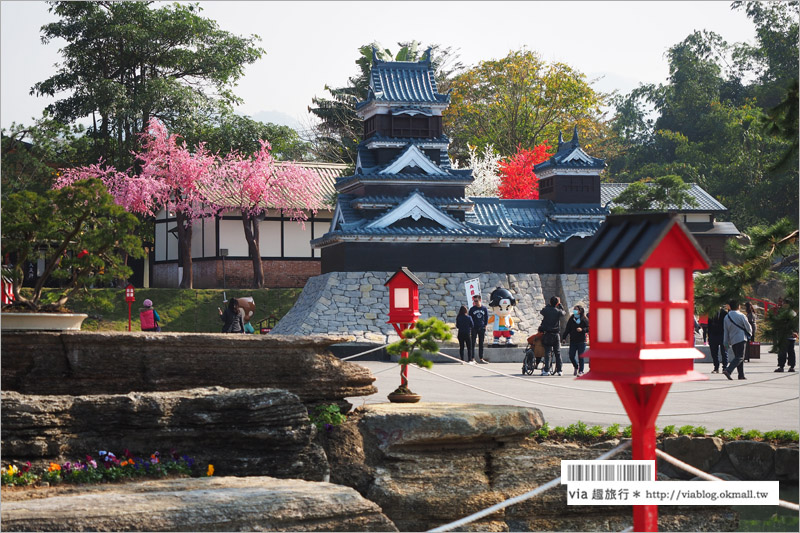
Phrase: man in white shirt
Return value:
(737, 331)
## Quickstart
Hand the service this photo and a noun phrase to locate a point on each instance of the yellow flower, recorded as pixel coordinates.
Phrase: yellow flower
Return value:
(54, 467)
(210, 470)
(12, 470)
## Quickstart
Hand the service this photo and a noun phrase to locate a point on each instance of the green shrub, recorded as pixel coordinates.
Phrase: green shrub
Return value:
(626, 433)
(685, 430)
(669, 431)
(325, 417)
(543, 432)
(719, 433)
(595, 431)
(734, 434)
(753, 434)
(558, 431)
(700, 431)
(612, 430)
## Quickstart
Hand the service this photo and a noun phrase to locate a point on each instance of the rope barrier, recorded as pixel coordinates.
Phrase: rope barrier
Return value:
(708, 477)
(363, 353)
(732, 408)
(522, 497)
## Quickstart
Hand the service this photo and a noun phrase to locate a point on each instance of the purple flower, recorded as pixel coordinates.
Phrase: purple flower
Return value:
(328, 427)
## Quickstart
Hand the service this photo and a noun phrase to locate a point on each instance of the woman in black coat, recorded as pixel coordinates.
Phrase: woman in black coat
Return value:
(464, 324)
(577, 328)
(231, 318)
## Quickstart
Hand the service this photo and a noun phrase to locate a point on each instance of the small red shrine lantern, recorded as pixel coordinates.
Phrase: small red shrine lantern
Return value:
(403, 307)
(641, 327)
(130, 298)
(403, 297)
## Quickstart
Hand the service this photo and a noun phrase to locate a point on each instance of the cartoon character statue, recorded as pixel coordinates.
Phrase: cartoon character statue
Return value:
(502, 302)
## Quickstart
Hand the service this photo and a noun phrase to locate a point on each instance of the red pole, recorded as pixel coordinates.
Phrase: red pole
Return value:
(400, 328)
(129, 316)
(642, 403)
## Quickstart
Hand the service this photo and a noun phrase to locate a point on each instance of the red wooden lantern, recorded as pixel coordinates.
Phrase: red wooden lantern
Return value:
(641, 320)
(130, 298)
(403, 307)
(403, 297)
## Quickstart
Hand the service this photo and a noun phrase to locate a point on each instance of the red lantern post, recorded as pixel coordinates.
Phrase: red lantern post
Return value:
(403, 307)
(641, 327)
(130, 298)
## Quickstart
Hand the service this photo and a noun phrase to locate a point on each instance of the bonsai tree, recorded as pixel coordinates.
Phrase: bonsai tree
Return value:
(81, 233)
(421, 338)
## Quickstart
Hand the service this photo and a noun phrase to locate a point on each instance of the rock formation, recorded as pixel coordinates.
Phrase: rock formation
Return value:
(79, 363)
(430, 464)
(204, 504)
(241, 432)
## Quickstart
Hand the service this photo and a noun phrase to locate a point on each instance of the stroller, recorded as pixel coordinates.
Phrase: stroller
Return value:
(534, 354)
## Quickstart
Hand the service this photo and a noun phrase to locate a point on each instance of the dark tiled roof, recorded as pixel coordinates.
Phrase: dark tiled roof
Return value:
(397, 200)
(570, 155)
(490, 218)
(442, 139)
(705, 202)
(626, 241)
(410, 83)
(451, 176)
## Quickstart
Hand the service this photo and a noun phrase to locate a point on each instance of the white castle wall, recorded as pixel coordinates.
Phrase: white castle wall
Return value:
(357, 303)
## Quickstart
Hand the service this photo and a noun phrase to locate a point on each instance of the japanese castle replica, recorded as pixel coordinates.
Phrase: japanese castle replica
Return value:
(405, 205)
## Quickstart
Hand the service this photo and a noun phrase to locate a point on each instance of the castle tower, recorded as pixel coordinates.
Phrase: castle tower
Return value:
(570, 176)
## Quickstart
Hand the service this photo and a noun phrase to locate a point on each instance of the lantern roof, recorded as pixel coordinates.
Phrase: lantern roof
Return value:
(627, 241)
(408, 273)
(570, 155)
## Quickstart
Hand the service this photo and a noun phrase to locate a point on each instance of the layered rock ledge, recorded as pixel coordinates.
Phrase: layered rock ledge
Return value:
(79, 363)
(241, 432)
(204, 504)
(429, 464)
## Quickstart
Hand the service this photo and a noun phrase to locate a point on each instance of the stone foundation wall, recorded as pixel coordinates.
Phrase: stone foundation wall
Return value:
(357, 303)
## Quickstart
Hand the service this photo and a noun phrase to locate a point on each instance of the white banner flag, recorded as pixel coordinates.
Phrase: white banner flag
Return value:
(473, 288)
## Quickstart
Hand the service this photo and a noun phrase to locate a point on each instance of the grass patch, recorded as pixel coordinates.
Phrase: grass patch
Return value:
(181, 310)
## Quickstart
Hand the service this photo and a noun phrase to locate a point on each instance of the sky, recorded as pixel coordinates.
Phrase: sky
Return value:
(309, 45)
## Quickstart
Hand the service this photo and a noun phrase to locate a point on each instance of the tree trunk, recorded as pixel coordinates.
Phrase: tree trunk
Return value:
(185, 249)
(251, 234)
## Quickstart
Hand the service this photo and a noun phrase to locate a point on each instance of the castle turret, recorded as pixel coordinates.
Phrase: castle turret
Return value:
(571, 176)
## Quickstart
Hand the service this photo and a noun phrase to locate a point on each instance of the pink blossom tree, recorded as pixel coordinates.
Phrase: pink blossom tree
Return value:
(171, 177)
(253, 184)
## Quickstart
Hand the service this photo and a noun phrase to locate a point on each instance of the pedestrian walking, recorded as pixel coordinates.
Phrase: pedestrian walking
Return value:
(551, 325)
(786, 348)
(464, 324)
(736, 332)
(703, 320)
(148, 317)
(231, 318)
(480, 319)
(716, 331)
(577, 328)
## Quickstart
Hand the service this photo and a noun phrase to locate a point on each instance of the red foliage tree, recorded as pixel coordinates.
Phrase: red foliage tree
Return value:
(517, 179)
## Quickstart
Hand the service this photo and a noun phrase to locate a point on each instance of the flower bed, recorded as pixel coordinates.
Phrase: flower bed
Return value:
(107, 468)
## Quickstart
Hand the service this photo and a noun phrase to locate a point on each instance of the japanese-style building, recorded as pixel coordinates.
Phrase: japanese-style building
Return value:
(406, 205)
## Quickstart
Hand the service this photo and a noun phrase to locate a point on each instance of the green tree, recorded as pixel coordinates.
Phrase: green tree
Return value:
(31, 155)
(519, 100)
(125, 62)
(85, 237)
(339, 130)
(666, 193)
(224, 131)
(756, 261)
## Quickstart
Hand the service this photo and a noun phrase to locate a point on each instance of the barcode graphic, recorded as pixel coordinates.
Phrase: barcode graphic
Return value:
(587, 471)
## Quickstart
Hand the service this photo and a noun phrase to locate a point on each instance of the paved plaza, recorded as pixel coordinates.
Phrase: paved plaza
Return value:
(765, 401)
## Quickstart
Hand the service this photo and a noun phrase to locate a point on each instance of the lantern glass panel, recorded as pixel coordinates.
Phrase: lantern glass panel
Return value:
(401, 299)
(677, 285)
(652, 284)
(627, 285)
(627, 321)
(605, 325)
(604, 285)
(652, 325)
(677, 325)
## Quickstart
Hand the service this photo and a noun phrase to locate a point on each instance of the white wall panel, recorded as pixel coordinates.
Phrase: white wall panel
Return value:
(296, 239)
(231, 236)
